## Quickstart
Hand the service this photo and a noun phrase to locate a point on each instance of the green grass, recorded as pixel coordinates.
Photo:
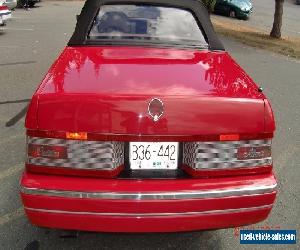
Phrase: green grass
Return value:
(249, 36)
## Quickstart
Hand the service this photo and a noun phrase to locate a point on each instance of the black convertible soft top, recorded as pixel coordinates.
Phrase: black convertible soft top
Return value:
(91, 8)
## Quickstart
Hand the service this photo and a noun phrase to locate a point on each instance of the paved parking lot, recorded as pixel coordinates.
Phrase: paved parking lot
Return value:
(28, 46)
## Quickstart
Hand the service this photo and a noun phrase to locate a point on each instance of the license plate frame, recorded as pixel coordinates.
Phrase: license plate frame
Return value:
(169, 162)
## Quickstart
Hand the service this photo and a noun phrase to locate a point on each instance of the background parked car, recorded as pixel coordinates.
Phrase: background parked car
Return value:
(298, 2)
(5, 13)
(241, 9)
(31, 3)
(11, 4)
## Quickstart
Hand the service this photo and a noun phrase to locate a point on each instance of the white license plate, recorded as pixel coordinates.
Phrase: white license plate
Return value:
(153, 155)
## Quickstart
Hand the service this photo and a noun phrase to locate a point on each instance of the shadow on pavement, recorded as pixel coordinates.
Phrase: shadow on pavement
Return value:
(86, 240)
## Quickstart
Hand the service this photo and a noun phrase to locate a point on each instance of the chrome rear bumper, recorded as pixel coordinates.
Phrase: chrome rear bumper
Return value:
(201, 194)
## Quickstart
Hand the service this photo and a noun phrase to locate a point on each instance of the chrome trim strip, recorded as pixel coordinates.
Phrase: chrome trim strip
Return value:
(153, 195)
(210, 212)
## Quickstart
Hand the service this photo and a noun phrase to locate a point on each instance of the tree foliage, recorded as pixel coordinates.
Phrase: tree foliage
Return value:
(210, 4)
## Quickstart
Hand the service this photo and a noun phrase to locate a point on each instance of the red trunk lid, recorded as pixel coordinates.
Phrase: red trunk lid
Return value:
(107, 90)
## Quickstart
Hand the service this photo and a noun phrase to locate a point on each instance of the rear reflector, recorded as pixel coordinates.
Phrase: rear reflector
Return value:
(47, 151)
(3, 8)
(246, 153)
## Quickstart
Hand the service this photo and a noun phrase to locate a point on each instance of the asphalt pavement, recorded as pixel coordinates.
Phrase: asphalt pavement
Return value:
(29, 45)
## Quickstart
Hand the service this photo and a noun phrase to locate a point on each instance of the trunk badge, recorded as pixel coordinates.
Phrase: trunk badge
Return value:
(155, 109)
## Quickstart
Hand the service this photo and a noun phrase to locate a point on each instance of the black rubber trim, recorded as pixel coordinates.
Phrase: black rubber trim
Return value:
(91, 8)
(153, 174)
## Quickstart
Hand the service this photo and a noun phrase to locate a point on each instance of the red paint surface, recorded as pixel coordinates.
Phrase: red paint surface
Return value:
(53, 182)
(128, 71)
(198, 173)
(73, 171)
(107, 90)
(149, 224)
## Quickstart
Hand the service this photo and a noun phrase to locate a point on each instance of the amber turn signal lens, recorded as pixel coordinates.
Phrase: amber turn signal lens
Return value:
(248, 153)
(233, 137)
(76, 136)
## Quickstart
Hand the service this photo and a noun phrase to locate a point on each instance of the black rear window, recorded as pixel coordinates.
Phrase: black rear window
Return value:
(146, 23)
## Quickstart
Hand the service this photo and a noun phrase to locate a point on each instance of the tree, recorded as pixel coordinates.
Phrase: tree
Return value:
(276, 30)
(210, 4)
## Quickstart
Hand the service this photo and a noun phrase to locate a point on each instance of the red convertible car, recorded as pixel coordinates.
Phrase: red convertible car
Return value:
(145, 123)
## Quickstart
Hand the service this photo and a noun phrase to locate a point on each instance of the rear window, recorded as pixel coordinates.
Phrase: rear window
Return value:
(146, 23)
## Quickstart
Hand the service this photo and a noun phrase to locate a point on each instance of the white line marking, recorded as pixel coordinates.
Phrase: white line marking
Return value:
(18, 17)
(9, 46)
(20, 29)
(11, 216)
(11, 171)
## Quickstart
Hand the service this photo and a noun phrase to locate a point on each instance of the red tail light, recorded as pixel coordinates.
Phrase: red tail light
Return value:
(221, 158)
(74, 157)
(3, 7)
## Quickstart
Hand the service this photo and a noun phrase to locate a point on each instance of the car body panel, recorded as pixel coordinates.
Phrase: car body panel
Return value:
(6, 16)
(114, 98)
(53, 182)
(138, 224)
(129, 115)
(147, 71)
(11, 4)
(142, 215)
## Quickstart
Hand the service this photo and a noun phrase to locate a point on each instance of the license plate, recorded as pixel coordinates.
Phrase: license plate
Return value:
(153, 155)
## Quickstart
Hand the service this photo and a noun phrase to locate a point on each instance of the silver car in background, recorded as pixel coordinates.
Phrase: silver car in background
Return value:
(5, 13)
(11, 4)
